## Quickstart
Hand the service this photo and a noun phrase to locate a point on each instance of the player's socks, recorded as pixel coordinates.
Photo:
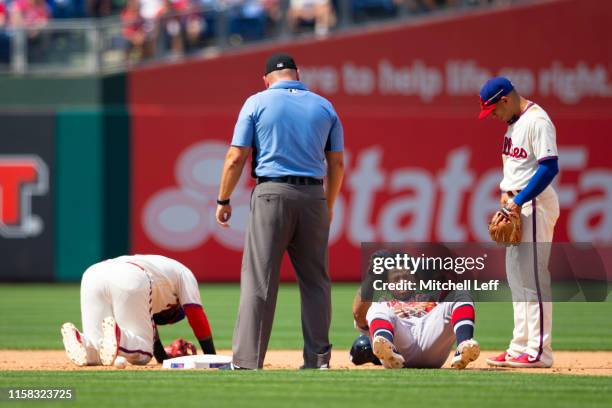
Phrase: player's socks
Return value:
(382, 328)
(462, 319)
(381, 331)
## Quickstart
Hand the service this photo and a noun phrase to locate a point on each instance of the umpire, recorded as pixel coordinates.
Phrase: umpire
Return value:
(296, 139)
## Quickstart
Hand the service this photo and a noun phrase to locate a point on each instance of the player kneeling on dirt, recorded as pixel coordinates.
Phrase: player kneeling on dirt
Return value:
(413, 331)
(123, 300)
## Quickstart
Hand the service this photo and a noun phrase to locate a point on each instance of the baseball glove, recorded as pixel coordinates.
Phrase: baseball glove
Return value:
(180, 348)
(505, 227)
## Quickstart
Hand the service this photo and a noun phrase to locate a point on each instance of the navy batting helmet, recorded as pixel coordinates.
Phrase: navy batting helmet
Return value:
(361, 352)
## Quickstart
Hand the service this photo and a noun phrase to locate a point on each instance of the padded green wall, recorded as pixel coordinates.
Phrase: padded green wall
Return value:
(92, 208)
(91, 176)
(79, 192)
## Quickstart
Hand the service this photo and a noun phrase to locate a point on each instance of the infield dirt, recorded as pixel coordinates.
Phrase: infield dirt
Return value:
(566, 362)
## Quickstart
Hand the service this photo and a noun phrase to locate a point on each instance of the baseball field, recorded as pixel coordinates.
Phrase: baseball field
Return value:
(31, 355)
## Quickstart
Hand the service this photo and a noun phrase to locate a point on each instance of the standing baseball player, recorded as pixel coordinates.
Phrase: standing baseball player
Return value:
(296, 139)
(123, 300)
(529, 155)
(408, 331)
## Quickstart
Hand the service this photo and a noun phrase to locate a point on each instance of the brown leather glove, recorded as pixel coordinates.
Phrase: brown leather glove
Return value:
(505, 226)
(180, 348)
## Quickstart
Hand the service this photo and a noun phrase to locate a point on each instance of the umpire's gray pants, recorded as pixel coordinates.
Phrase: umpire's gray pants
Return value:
(284, 217)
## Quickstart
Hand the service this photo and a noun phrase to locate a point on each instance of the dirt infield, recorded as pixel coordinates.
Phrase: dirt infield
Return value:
(566, 362)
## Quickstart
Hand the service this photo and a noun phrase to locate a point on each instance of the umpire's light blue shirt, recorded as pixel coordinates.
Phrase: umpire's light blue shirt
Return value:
(290, 129)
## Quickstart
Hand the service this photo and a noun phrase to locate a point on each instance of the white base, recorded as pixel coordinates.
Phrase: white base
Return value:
(197, 361)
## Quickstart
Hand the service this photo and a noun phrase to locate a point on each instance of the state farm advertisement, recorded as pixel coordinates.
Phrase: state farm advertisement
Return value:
(420, 166)
(427, 182)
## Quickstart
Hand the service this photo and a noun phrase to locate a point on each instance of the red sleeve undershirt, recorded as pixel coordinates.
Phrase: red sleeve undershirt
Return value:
(197, 320)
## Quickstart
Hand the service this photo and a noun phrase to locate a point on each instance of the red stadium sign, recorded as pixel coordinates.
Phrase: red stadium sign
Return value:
(21, 177)
(421, 167)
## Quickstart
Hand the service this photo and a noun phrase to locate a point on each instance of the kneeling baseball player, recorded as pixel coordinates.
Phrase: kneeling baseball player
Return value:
(412, 332)
(123, 300)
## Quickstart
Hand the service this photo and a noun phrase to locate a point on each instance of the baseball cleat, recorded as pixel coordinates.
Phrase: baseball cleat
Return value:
(73, 344)
(467, 351)
(526, 361)
(109, 346)
(500, 360)
(384, 350)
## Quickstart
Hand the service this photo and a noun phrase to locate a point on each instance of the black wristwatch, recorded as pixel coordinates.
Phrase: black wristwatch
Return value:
(223, 202)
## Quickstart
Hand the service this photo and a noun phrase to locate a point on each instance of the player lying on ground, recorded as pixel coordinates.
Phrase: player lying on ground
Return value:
(416, 334)
(123, 300)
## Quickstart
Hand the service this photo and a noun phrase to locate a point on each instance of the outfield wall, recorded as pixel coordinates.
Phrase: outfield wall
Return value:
(64, 176)
(421, 167)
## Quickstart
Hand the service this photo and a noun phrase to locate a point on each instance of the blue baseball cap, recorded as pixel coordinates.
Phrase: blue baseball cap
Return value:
(491, 92)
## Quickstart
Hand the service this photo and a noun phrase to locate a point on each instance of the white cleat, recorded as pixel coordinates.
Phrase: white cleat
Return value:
(467, 351)
(73, 344)
(383, 349)
(109, 346)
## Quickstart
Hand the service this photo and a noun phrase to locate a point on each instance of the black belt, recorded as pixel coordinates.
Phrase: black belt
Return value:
(303, 181)
(513, 193)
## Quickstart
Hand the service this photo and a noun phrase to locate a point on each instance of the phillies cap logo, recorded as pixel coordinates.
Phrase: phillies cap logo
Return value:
(21, 177)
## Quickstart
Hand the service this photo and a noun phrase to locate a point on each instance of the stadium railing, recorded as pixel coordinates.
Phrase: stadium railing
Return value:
(92, 46)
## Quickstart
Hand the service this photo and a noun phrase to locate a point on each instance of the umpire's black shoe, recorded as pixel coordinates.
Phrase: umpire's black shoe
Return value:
(231, 366)
(321, 367)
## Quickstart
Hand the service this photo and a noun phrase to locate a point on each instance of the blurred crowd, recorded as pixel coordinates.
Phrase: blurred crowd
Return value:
(179, 26)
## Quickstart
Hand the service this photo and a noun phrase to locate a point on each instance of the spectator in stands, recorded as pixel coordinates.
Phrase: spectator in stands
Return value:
(172, 21)
(150, 9)
(319, 13)
(67, 8)
(274, 15)
(199, 23)
(246, 20)
(99, 8)
(139, 43)
(30, 14)
(3, 15)
(104, 8)
(5, 44)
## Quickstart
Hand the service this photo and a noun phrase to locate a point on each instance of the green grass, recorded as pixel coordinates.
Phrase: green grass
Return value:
(31, 316)
(389, 388)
